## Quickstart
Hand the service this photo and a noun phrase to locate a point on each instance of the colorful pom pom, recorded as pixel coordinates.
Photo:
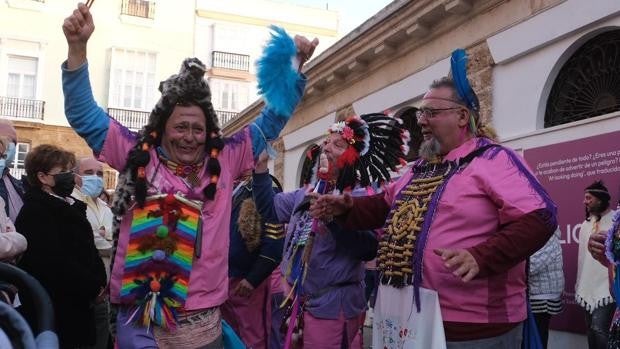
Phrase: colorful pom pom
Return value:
(162, 231)
(169, 199)
(155, 286)
(159, 255)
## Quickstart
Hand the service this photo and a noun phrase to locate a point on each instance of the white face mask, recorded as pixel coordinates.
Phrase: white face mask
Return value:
(92, 185)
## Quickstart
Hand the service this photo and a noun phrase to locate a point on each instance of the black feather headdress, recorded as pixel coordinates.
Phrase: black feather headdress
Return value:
(377, 145)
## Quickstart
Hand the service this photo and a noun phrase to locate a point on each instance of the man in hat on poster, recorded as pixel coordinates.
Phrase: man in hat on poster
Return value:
(592, 286)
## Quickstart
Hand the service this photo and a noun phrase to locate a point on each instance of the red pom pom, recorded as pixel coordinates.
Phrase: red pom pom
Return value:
(169, 200)
(155, 286)
(348, 158)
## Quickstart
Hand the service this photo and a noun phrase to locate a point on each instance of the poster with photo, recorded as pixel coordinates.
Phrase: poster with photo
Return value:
(565, 170)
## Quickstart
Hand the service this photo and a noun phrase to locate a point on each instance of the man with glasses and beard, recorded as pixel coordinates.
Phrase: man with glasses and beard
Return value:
(458, 228)
(592, 287)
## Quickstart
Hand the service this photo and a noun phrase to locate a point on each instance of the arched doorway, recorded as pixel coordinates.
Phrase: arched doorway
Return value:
(588, 84)
(306, 167)
(410, 123)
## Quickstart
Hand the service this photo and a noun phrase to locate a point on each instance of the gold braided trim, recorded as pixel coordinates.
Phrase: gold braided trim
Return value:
(404, 223)
(274, 237)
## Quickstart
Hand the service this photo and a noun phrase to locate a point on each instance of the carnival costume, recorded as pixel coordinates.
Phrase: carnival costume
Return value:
(171, 236)
(322, 262)
(612, 252)
(480, 197)
(255, 251)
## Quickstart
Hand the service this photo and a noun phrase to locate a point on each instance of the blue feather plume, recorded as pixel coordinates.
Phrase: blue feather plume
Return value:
(277, 78)
(458, 66)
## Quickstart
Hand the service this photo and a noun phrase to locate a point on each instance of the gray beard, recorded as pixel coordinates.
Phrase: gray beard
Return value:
(429, 150)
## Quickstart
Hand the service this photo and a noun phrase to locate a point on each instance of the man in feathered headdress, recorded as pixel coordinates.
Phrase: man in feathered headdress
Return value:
(458, 228)
(172, 206)
(322, 263)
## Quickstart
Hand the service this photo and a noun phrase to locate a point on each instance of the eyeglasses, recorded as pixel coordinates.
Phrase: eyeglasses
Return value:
(429, 113)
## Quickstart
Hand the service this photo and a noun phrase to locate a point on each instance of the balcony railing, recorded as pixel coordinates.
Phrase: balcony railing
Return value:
(132, 119)
(110, 178)
(18, 172)
(138, 8)
(225, 116)
(22, 108)
(231, 61)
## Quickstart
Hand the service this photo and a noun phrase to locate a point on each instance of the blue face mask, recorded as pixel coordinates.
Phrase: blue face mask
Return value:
(10, 153)
(92, 185)
(2, 166)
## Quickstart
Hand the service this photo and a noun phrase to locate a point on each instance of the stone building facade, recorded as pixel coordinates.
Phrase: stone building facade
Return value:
(546, 72)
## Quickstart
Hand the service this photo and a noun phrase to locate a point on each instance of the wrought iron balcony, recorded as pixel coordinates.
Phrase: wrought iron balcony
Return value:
(18, 172)
(138, 8)
(225, 116)
(22, 108)
(231, 61)
(132, 119)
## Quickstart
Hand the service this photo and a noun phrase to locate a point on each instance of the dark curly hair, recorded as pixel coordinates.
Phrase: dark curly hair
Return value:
(44, 158)
(185, 89)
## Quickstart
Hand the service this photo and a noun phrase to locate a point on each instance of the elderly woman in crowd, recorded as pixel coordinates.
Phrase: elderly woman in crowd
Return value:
(61, 252)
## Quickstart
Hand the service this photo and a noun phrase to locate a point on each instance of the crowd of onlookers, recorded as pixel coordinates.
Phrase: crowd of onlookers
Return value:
(55, 226)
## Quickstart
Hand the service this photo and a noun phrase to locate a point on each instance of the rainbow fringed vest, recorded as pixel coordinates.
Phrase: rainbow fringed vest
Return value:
(162, 242)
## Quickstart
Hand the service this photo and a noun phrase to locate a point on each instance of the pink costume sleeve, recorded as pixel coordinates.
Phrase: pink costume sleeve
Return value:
(118, 142)
(508, 187)
(524, 214)
(237, 153)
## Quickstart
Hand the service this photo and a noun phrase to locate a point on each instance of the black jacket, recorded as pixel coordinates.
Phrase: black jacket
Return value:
(62, 256)
(255, 266)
